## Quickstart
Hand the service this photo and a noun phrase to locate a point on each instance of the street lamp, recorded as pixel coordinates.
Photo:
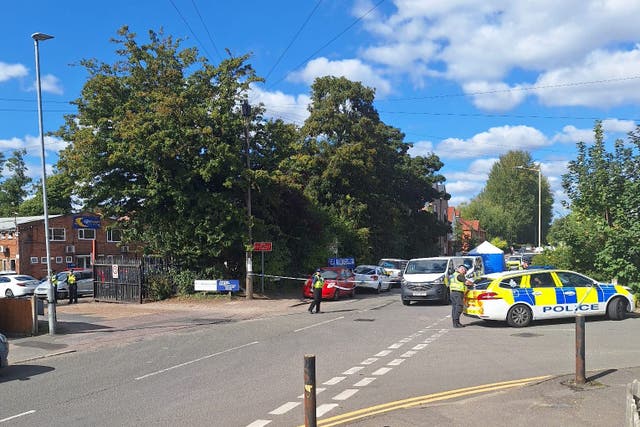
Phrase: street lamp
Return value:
(246, 113)
(539, 170)
(51, 308)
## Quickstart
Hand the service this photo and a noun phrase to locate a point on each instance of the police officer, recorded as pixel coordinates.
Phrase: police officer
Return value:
(73, 288)
(53, 281)
(457, 286)
(317, 283)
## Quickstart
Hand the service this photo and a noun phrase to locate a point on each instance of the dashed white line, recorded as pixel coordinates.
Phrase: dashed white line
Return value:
(381, 371)
(383, 353)
(18, 415)
(323, 409)
(419, 346)
(409, 353)
(346, 394)
(259, 423)
(396, 345)
(196, 360)
(334, 380)
(284, 408)
(364, 382)
(405, 340)
(369, 361)
(318, 391)
(318, 324)
(395, 362)
(353, 370)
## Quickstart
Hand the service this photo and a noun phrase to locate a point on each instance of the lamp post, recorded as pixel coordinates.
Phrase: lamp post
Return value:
(539, 170)
(246, 113)
(51, 309)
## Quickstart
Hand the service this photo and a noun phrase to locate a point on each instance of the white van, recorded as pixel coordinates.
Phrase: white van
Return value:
(427, 279)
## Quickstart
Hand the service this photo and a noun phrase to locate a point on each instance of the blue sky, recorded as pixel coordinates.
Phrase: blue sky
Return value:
(468, 80)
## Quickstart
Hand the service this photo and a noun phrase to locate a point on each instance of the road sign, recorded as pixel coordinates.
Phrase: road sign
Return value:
(232, 285)
(342, 262)
(262, 246)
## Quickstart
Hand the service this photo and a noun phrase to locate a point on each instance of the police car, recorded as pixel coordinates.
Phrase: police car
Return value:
(519, 297)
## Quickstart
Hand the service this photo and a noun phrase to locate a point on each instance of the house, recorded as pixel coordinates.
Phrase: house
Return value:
(469, 229)
(75, 240)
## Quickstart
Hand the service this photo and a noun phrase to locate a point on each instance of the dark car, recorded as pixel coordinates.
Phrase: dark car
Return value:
(4, 351)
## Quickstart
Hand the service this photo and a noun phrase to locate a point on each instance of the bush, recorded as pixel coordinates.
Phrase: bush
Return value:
(160, 286)
(184, 281)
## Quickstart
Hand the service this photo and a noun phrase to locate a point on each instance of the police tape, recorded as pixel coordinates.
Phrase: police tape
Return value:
(304, 279)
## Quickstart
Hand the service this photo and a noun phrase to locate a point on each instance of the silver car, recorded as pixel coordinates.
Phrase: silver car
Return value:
(84, 280)
(4, 351)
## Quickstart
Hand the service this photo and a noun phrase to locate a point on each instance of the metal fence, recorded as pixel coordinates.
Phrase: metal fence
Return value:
(125, 280)
(633, 400)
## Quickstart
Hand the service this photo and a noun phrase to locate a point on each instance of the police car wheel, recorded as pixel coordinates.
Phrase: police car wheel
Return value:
(519, 316)
(617, 309)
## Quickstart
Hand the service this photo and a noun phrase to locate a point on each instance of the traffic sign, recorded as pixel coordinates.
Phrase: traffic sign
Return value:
(262, 246)
(342, 262)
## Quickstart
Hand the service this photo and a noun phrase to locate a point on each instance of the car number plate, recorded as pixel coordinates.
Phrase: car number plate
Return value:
(420, 294)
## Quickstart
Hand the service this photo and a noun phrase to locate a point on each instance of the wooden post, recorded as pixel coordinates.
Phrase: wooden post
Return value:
(310, 390)
(34, 313)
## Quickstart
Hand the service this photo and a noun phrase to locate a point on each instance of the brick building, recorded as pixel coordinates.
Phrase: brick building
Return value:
(74, 241)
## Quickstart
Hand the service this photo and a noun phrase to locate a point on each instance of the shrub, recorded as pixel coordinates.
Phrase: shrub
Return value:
(160, 286)
(184, 281)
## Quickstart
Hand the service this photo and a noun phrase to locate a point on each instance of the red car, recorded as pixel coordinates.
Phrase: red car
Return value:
(338, 281)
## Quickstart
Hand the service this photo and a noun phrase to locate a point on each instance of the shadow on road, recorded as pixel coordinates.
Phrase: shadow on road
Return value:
(22, 372)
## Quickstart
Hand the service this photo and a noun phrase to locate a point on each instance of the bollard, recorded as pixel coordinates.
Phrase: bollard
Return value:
(34, 314)
(580, 375)
(310, 390)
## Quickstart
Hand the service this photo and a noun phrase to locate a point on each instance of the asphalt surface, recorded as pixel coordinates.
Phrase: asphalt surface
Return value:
(548, 401)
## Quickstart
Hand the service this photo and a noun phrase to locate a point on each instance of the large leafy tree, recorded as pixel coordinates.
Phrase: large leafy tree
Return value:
(358, 171)
(158, 143)
(508, 205)
(14, 188)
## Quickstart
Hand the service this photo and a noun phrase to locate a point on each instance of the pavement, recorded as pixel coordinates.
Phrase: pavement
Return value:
(550, 401)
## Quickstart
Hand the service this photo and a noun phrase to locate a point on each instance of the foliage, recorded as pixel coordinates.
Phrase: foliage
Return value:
(13, 190)
(160, 286)
(508, 205)
(59, 193)
(183, 281)
(499, 243)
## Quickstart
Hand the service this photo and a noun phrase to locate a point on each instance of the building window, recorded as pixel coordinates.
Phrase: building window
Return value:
(34, 260)
(68, 259)
(43, 260)
(114, 235)
(86, 234)
(58, 260)
(57, 234)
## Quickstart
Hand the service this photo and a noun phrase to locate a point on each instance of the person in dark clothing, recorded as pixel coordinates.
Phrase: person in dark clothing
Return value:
(317, 283)
(457, 285)
(73, 288)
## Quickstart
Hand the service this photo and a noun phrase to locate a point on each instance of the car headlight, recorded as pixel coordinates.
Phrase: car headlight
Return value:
(438, 279)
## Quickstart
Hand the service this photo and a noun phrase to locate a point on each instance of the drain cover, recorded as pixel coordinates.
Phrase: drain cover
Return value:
(364, 320)
(526, 335)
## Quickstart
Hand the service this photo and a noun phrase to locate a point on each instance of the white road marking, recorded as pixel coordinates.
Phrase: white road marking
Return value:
(383, 353)
(353, 370)
(405, 340)
(363, 382)
(318, 391)
(396, 345)
(419, 346)
(369, 361)
(395, 362)
(381, 371)
(346, 394)
(318, 324)
(18, 415)
(408, 353)
(285, 408)
(259, 423)
(323, 409)
(195, 360)
(334, 380)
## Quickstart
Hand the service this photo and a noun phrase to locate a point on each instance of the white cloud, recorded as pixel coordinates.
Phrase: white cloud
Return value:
(11, 71)
(51, 84)
(571, 134)
(494, 96)
(421, 148)
(289, 108)
(618, 126)
(495, 140)
(352, 69)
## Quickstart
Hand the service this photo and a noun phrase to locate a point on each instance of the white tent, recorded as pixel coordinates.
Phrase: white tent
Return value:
(485, 248)
(492, 257)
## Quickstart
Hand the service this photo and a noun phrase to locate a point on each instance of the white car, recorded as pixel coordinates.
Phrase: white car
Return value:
(372, 277)
(84, 280)
(17, 285)
(394, 267)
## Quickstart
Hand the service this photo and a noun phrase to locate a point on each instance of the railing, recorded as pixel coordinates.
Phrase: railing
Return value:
(633, 399)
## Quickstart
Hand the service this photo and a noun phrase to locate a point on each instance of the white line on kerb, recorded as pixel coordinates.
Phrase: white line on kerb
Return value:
(16, 416)
(196, 360)
(318, 324)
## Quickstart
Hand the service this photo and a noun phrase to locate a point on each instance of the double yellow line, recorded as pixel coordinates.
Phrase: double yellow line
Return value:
(421, 400)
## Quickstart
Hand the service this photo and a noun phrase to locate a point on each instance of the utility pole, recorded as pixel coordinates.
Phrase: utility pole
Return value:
(246, 113)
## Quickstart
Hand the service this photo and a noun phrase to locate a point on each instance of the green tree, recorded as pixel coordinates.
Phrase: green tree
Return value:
(13, 190)
(59, 197)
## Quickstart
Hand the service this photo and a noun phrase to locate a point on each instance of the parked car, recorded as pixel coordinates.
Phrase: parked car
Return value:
(395, 267)
(84, 280)
(4, 351)
(427, 279)
(474, 264)
(338, 281)
(17, 285)
(520, 297)
(372, 277)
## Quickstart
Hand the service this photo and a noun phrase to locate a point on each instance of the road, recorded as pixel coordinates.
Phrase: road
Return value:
(369, 350)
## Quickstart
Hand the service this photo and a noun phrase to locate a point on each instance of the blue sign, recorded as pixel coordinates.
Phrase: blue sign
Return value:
(91, 222)
(228, 285)
(342, 262)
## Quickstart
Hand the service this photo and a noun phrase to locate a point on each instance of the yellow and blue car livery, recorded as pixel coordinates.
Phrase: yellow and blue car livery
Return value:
(519, 297)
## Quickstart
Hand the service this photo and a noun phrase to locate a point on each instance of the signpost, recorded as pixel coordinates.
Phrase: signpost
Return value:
(262, 247)
(342, 262)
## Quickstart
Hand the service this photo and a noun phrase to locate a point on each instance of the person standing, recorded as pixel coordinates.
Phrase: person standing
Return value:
(73, 288)
(317, 283)
(457, 285)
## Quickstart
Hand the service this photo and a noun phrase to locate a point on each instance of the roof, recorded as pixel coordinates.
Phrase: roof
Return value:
(9, 223)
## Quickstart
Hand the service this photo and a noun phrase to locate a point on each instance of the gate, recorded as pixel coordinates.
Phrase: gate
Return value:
(125, 280)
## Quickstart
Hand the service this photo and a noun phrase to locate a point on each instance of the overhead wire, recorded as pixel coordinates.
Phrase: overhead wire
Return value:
(190, 29)
(206, 28)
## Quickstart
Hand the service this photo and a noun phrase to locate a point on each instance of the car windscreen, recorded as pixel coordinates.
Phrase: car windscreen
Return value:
(329, 274)
(397, 265)
(24, 278)
(365, 270)
(422, 266)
